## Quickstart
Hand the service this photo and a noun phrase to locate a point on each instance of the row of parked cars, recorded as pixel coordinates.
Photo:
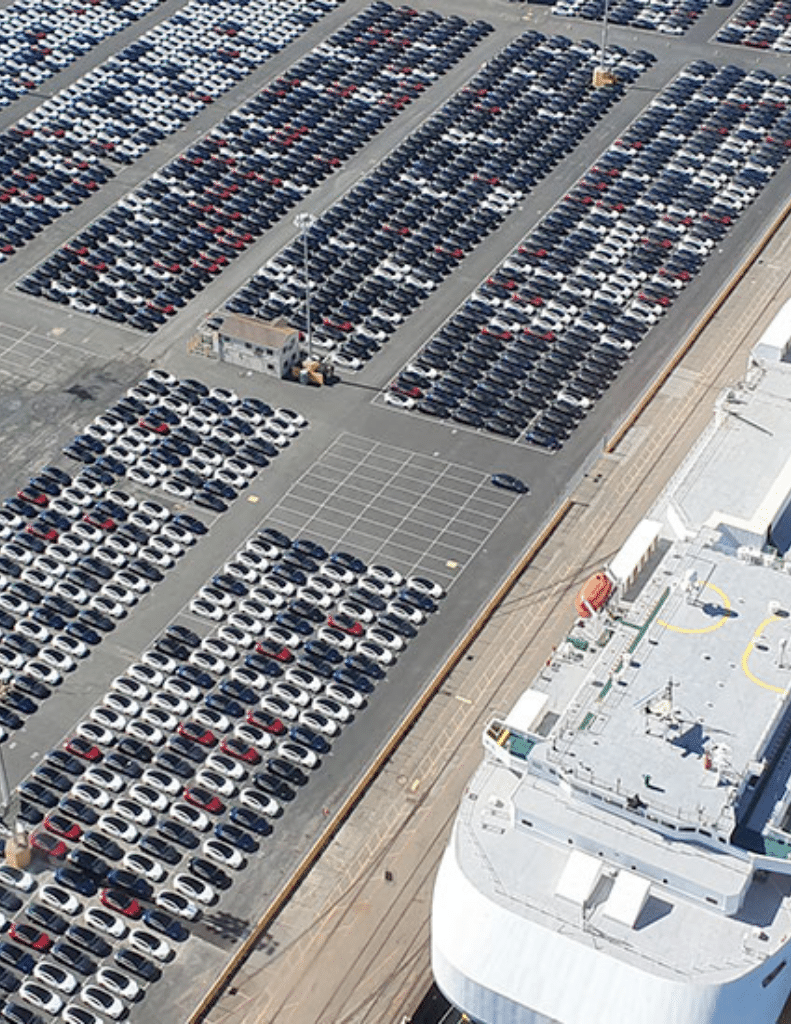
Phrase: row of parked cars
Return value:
(381, 249)
(65, 149)
(161, 244)
(162, 795)
(199, 445)
(42, 38)
(77, 552)
(543, 336)
(764, 24)
(671, 17)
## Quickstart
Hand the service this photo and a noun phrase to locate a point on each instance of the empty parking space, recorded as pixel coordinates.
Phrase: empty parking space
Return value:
(417, 513)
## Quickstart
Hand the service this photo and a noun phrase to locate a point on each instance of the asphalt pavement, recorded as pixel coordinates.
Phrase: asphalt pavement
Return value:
(59, 367)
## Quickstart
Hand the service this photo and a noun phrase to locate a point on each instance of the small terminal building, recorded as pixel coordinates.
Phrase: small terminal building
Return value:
(270, 347)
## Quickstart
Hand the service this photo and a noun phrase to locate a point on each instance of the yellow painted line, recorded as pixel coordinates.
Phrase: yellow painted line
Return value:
(748, 650)
(704, 629)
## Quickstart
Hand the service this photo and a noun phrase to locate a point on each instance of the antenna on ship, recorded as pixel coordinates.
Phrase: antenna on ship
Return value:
(659, 705)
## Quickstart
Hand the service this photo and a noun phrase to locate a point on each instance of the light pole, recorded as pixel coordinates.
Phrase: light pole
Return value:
(304, 222)
(603, 56)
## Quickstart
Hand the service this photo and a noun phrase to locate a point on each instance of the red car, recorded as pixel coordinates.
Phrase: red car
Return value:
(154, 425)
(62, 826)
(279, 654)
(234, 747)
(345, 623)
(33, 496)
(48, 844)
(42, 531)
(30, 936)
(204, 799)
(98, 519)
(195, 731)
(125, 904)
(266, 721)
(413, 392)
(82, 748)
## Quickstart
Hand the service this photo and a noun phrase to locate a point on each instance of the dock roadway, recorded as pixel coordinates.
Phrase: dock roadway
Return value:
(351, 945)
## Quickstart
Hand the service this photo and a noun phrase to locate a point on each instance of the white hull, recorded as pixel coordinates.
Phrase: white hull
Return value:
(502, 968)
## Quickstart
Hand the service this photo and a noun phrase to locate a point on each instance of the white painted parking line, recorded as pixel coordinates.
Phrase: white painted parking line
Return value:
(389, 504)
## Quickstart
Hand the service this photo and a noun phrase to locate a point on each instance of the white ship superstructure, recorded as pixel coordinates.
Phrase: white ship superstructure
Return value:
(623, 853)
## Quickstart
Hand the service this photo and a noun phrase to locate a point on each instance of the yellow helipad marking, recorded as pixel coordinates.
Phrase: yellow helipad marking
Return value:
(748, 650)
(253, 499)
(705, 629)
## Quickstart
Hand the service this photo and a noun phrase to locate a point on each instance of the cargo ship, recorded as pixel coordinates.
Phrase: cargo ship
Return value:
(623, 852)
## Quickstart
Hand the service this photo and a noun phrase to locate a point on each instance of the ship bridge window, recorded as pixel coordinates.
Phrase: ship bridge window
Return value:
(773, 974)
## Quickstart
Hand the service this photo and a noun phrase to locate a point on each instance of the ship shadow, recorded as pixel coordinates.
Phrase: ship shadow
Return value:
(654, 910)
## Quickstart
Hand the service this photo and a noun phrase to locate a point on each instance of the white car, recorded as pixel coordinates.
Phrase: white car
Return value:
(166, 546)
(208, 662)
(253, 735)
(383, 573)
(223, 853)
(227, 766)
(233, 634)
(334, 574)
(194, 889)
(103, 1001)
(343, 694)
(173, 703)
(123, 595)
(107, 718)
(132, 811)
(107, 923)
(357, 611)
(160, 662)
(155, 510)
(148, 797)
(219, 648)
(161, 559)
(253, 608)
(423, 585)
(406, 612)
(385, 637)
(295, 418)
(17, 878)
(146, 732)
(178, 902)
(212, 719)
(144, 865)
(194, 817)
(291, 692)
(180, 688)
(376, 586)
(70, 646)
(179, 534)
(117, 983)
(305, 679)
(216, 596)
(145, 674)
(55, 976)
(62, 900)
(206, 609)
(260, 802)
(96, 733)
(399, 401)
(335, 638)
(317, 597)
(116, 827)
(150, 945)
(130, 688)
(160, 718)
(297, 754)
(282, 636)
(162, 781)
(325, 586)
(91, 794)
(101, 776)
(319, 722)
(39, 996)
(376, 652)
(107, 606)
(280, 707)
(56, 659)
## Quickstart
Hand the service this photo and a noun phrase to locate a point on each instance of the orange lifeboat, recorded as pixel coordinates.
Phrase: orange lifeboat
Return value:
(594, 594)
